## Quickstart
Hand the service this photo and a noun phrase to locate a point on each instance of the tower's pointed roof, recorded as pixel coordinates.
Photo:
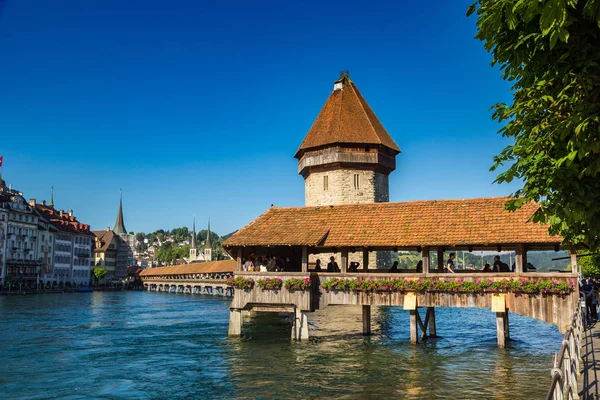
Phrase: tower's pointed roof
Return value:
(193, 246)
(119, 228)
(207, 244)
(346, 118)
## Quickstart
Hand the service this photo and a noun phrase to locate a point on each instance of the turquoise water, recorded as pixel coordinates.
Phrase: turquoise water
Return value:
(139, 345)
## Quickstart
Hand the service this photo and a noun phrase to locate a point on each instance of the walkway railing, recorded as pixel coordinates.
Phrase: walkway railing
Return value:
(568, 363)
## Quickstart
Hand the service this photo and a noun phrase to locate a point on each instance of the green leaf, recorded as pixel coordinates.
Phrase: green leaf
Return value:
(472, 8)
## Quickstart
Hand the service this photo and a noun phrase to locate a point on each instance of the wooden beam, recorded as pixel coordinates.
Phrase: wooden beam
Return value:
(440, 259)
(506, 326)
(574, 266)
(414, 329)
(426, 260)
(238, 266)
(344, 266)
(366, 315)
(304, 258)
(365, 258)
(432, 328)
(500, 329)
(519, 266)
(421, 325)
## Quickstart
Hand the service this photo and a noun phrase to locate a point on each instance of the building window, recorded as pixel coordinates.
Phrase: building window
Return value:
(356, 181)
(325, 182)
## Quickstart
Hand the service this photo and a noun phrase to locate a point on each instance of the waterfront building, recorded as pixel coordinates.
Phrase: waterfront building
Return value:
(106, 244)
(114, 249)
(126, 246)
(68, 243)
(46, 233)
(18, 238)
(346, 157)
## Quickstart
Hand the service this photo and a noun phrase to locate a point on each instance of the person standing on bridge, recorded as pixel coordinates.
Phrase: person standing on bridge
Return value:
(332, 266)
(450, 264)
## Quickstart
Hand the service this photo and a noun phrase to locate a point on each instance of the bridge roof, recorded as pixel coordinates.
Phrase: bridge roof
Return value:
(213, 267)
(479, 221)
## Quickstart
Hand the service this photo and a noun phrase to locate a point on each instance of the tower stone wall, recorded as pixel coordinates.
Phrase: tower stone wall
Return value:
(346, 186)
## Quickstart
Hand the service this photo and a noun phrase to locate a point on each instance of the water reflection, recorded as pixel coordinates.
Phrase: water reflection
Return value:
(155, 345)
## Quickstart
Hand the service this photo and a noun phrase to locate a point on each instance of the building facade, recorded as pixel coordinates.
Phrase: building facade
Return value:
(114, 249)
(67, 243)
(19, 235)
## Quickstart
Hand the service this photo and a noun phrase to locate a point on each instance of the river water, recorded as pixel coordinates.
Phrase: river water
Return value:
(139, 345)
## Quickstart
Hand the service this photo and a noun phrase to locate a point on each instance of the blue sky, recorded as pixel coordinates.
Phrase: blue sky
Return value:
(198, 107)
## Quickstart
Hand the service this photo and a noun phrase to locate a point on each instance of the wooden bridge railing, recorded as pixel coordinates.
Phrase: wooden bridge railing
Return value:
(568, 363)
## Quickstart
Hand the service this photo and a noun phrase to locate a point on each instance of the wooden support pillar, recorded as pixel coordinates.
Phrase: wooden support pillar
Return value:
(422, 326)
(519, 266)
(366, 315)
(365, 258)
(440, 259)
(432, 329)
(506, 326)
(344, 266)
(304, 258)
(238, 266)
(574, 266)
(500, 329)
(235, 323)
(300, 328)
(426, 260)
(414, 328)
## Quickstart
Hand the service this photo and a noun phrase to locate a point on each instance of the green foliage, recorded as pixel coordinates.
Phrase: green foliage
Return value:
(528, 286)
(99, 273)
(297, 283)
(270, 283)
(550, 50)
(239, 282)
(590, 266)
(140, 236)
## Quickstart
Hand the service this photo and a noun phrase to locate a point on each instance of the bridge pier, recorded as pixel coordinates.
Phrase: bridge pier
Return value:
(366, 316)
(300, 328)
(432, 328)
(235, 323)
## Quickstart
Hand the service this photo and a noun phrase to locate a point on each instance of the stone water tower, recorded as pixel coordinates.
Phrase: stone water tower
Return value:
(347, 155)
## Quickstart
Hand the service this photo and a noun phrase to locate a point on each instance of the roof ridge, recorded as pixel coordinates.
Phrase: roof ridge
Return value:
(362, 107)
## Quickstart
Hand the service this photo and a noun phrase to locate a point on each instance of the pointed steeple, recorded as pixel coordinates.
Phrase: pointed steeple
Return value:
(207, 244)
(193, 246)
(346, 119)
(119, 228)
(52, 196)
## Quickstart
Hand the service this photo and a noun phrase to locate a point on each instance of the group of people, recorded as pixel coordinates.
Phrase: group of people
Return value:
(265, 264)
(498, 266)
(590, 291)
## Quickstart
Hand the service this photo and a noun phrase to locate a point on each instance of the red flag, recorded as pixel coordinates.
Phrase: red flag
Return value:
(1, 161)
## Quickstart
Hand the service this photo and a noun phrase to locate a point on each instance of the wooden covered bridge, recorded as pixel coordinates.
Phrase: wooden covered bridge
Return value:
(429, 227)
(195, 278)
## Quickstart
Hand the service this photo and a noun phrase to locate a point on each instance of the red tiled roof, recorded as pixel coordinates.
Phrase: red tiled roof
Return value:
(65, 223)
(481, 221)
(346, 118)
(105, 237)
(211, 267)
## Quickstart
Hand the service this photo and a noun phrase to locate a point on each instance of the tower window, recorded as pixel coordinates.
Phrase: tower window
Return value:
(356, 181)
(325, 182)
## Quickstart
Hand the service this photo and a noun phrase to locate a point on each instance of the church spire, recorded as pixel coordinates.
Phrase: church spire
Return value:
(52, 196)
(193, 246)
(119, 228)
(207, 244)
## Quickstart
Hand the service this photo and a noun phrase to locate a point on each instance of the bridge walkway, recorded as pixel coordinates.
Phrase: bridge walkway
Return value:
(589, 380)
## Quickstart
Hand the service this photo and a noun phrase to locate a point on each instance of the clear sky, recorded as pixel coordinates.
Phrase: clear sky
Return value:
(198, 107)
